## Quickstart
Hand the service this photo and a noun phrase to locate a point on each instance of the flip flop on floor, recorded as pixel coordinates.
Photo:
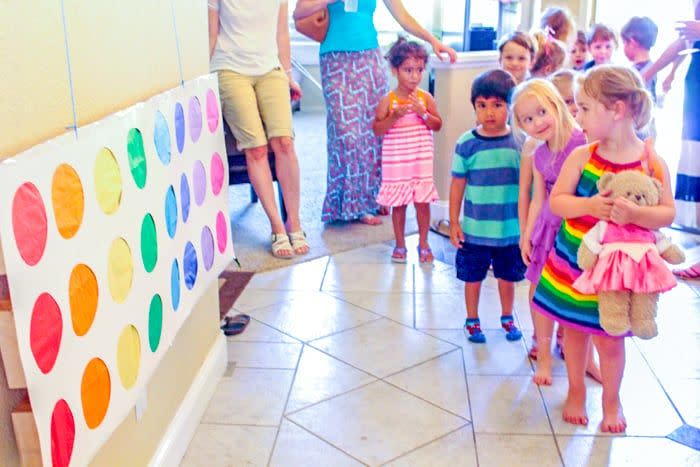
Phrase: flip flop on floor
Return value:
(232, 325)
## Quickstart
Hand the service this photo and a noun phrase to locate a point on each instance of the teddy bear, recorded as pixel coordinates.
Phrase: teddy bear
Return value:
(623, 264)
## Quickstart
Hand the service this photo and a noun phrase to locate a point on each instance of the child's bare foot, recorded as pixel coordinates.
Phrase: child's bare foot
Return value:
(613, 418)
(543, 372)
(575, 407)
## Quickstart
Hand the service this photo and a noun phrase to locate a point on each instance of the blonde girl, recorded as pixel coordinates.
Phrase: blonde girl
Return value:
(613, 103)
(516, 51)
(563, 80)
(541, 113)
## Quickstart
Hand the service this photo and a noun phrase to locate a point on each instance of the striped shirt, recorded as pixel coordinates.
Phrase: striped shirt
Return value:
(491, 167)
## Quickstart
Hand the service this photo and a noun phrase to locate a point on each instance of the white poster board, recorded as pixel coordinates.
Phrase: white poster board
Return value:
(109, 239)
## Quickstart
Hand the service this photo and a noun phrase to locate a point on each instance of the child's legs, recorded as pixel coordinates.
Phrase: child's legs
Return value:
(612, 367)
(472, 263)
(508, 267)
(506, 292)
(398, 219)
(423, 218)
(543, 329)
(472, 291)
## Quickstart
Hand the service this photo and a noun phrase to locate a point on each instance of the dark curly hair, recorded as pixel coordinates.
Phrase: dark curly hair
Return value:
(493, 83)
(403, 49)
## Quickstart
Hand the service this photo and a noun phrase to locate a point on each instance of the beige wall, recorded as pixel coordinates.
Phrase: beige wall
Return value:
(120, 53)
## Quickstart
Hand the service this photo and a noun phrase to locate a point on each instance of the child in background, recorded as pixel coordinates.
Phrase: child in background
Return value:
(485, 180)
(406, 117)
(638, 37)
(563, 80)
(612, 102)
(559, 23)
(516, 53)
(602, 42)
(579, 52)
(550, 55)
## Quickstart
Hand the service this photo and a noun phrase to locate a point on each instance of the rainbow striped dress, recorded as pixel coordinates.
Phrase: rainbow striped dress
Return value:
(555, 296)
(407, 160)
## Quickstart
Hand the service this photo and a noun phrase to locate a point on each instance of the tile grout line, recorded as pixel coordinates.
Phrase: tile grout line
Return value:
(469, 402)
(325, 441)
(289, 392)
(421, 446)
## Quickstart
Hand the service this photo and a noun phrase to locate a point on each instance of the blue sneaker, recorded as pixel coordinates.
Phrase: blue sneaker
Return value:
(512, 331)
(474, 328)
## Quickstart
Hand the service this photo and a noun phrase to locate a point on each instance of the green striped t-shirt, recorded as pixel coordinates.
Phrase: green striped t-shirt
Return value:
(491, 167)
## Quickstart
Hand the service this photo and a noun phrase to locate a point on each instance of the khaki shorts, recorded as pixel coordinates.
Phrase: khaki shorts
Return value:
(256, 107)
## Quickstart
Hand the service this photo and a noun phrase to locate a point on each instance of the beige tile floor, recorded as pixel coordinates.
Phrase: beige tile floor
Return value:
(352, 360)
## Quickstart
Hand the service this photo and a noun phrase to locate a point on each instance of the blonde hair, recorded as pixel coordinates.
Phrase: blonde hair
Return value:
(611, 83)
(560, 22)
(563, 79)
(550, 53)
(549, 98)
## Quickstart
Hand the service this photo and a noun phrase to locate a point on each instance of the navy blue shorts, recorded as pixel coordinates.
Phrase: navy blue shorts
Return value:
(472, 262)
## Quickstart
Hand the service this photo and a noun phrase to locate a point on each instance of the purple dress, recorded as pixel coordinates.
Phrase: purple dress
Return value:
(547, 223)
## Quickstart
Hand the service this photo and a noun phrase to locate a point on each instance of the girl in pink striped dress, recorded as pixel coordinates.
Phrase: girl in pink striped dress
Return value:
(407, 117)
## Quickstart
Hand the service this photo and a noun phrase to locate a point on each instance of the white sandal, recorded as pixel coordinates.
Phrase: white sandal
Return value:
(280, 242)
(298, 241)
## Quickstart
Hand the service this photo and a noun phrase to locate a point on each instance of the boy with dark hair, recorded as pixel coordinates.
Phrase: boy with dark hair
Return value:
(485, 174)
(602, 42)
(638, 37)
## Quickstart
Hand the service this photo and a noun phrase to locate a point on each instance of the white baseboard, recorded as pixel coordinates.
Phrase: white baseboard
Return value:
(177, 437)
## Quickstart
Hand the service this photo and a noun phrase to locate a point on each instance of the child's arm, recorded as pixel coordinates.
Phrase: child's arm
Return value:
(431, 116)
(456, 196)
(564, 203)
(650, 217)
(384, 118)
(533, 213)
(525, 184)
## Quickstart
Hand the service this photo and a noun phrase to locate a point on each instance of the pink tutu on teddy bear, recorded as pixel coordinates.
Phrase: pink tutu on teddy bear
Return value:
(628, 259)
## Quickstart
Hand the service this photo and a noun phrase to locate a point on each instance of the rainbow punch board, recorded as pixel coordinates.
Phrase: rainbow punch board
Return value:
(110, 237)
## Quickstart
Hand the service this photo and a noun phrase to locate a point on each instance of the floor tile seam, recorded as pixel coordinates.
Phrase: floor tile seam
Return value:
(417, 448)
(549, 416)
(330, 293)
(610, 435)
(300, 344)
(341, 361)
(255, 425)
(469, 402)
(340, 331)
(434, 404)
(296, 341)
(284, 407)
(325, 271)
(236, 367)
(334, 396)
(414, 365)
(660, 383)
(315, 435)
(246, 367)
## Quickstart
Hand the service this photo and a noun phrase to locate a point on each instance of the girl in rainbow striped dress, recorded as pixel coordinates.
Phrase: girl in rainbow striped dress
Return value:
(407, 117)
(613, 103)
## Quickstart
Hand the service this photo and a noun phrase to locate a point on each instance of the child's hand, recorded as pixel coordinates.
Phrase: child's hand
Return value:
(525, 250)
(456, 234)
(623, 211)
(600, 205)
(399, 110)
(416, 104)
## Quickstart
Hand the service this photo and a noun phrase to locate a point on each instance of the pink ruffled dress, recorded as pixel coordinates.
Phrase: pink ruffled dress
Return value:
(407, 160)
(628, 260)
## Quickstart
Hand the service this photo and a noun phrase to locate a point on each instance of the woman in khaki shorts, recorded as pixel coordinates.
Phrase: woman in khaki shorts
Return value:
(250, 50)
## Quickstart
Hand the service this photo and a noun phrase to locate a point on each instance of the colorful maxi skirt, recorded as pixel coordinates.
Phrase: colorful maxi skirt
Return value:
(688, 177)
(353, 84)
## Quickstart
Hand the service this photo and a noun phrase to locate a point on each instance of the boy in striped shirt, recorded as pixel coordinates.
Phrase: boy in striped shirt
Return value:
(485, 172)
